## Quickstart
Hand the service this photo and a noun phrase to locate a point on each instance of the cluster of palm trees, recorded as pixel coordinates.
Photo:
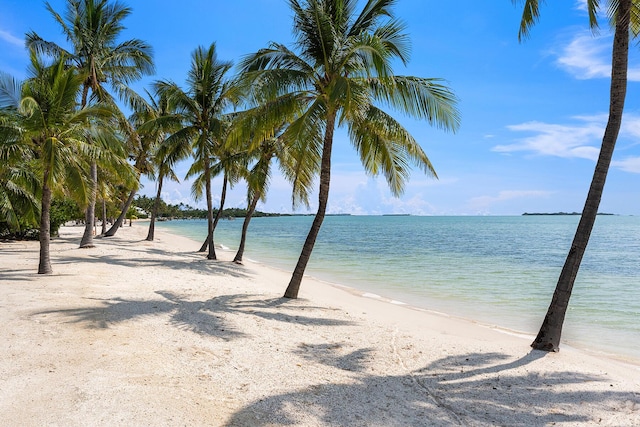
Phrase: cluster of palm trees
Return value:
(63, 133)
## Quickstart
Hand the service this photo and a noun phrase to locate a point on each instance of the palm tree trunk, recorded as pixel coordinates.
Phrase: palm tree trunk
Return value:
(323, 198)
(207, 174)
(44, 267)
(548, 337)
(118, 223)
(223, 196)
(104, 216)
(245, 226)
(154, 212)
(90, 215)
(205, 245)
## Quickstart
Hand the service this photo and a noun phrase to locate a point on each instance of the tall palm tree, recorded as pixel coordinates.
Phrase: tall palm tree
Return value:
(625, 17)
(92, 27)
(54, 129)
(203, 106)
(340, 75)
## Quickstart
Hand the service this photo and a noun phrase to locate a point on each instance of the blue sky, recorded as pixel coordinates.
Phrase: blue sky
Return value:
(533, 113)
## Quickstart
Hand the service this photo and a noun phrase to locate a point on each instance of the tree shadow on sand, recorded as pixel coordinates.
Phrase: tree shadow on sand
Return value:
(475, 389)
(212, 317)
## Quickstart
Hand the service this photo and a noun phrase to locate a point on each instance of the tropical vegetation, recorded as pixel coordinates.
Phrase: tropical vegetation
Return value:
(339, 74)
(92, 27)
(281, 107)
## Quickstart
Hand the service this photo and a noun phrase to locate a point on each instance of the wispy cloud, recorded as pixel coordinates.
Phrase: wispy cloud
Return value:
(589, 57)
(558, 140)
(11, 39)
(630, 164)
(483, 202)
(581, 139)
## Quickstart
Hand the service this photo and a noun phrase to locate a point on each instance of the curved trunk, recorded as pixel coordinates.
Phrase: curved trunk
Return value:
(245, 226)
(548, 337)
(205, 245)
(323, 198)
(118, 223)
(44, 266)
(104, 216)
(90, 215)
(209, 241)
(223, 196)
(154, 212)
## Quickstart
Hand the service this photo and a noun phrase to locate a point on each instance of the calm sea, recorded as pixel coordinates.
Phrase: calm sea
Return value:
(497, 270)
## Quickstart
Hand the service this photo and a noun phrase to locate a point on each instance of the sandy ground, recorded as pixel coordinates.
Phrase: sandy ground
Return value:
(136, 333)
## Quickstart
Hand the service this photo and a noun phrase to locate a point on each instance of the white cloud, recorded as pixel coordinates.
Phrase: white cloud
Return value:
(483, 202)
(11, 39)
(581, 5)
(568, 141)
(589, 57)
(630, 164)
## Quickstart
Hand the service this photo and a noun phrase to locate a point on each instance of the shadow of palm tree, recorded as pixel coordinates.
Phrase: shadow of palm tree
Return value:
(192, 262)
(432, 396)
(209, 317)
(330, 355)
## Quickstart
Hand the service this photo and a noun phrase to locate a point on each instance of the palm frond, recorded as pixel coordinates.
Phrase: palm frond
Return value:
(10, 91)
(423, 98)
(388, 148)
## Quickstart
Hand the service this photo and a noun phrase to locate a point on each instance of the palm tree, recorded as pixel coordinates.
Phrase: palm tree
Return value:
(203, 107)
(19, 185)
(19, 188)
(340, 75)
(93, 27)
(258, 184)
(625, 16)
(263, 150)
(163, 171)
(230, 162)
(155, 121)
(54, 129)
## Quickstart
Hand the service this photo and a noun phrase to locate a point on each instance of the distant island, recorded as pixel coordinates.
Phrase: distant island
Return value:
(561, 213)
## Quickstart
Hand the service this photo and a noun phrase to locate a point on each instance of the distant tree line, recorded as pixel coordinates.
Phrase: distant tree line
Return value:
(184, 211)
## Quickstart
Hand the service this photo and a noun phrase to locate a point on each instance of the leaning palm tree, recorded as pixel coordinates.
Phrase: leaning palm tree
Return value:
(203, 107)
(231, 163)
(265, 147)
(92, 27)
(155, 122)
(341, 74)
(50, 124)
(163, 171)
(625, 17)
(257, 179)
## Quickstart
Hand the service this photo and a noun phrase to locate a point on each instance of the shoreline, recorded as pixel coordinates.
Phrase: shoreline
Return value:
(478, 284)
(631, 360)
(150, 333)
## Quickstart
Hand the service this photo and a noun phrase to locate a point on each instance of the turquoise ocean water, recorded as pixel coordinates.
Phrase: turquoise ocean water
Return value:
(497, 270)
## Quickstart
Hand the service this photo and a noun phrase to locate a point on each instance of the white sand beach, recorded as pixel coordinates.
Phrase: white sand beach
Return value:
(136, 333)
